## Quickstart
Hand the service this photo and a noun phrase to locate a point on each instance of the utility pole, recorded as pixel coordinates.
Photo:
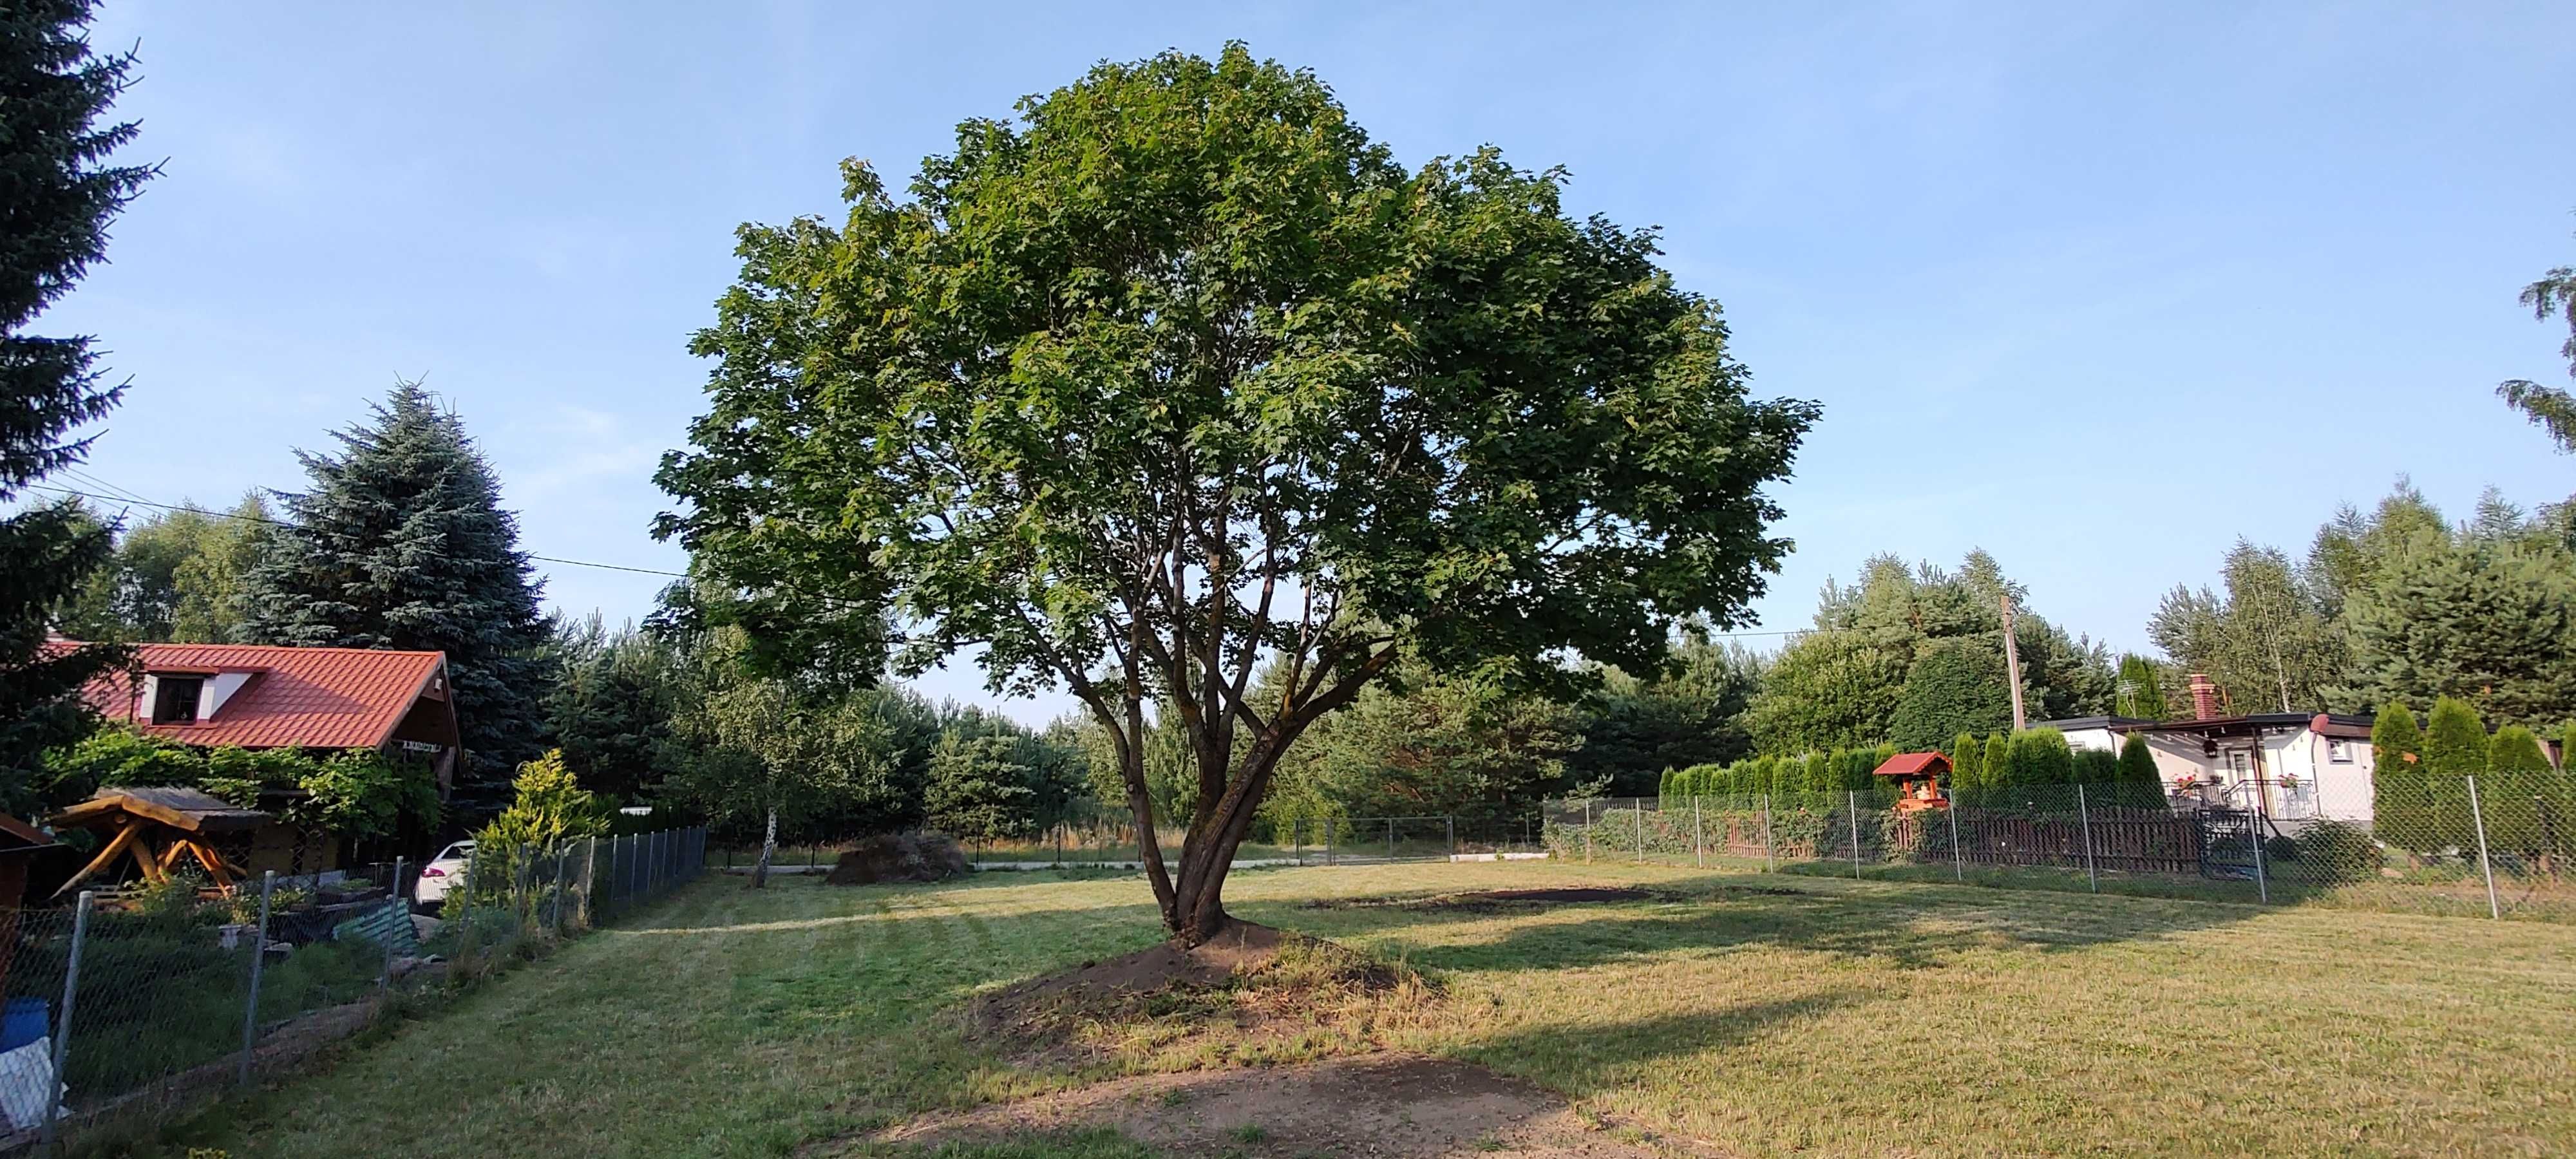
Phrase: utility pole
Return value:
(2012, 661)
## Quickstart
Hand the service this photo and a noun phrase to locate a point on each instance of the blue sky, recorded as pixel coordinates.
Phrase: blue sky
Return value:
(2096, 287)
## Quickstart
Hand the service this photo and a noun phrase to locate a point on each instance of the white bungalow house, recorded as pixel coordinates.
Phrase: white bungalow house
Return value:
(2292, 766)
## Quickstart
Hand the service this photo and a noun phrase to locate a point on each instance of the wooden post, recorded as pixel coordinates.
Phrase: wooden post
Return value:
(2084, 817)
(2012, 663)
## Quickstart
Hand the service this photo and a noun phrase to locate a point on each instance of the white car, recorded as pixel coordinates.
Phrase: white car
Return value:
(441, 873)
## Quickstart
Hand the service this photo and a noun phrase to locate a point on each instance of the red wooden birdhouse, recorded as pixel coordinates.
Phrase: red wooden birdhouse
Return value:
(1918, 779)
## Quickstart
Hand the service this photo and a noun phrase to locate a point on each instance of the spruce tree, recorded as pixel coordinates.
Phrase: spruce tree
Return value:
(57, 196)
(2401, 794)
(2455, 749)
(401, 543)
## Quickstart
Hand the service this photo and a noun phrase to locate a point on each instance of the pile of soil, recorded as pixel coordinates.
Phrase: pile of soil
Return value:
(1388, 1106)
(899, 857)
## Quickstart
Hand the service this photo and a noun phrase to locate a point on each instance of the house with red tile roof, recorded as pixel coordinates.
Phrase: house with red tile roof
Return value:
(260, 697)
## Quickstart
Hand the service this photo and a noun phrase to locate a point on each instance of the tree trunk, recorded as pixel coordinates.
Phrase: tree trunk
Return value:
(768, 848)
(1198, 912)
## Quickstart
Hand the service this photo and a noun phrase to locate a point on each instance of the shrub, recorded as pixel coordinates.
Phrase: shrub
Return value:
(2455, 749)
(2401, 793)
(2330, 853)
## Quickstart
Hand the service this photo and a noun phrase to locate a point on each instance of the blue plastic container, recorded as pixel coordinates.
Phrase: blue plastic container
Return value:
(28, 1020)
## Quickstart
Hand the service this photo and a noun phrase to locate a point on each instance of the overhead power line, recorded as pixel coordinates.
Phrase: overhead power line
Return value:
(124, 496)
(141, 502)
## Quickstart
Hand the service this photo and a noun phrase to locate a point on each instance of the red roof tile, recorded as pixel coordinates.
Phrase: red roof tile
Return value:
(1914, 765)
(330, 698)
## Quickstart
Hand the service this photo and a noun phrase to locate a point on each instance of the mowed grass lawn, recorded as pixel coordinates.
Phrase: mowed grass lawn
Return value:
(1738, 1013)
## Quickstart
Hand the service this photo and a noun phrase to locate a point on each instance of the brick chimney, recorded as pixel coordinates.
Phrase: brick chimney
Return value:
(2204, 697)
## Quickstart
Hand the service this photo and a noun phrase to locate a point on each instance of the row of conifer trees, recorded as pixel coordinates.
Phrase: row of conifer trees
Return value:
(2421, 787)
(2034, 768)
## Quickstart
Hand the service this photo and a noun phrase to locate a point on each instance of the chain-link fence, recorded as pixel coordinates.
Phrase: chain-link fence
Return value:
(2464, 848)
(134, 1001)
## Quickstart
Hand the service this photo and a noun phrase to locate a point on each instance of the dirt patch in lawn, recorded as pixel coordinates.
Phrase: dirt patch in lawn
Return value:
(1387, 1106)
(1495, 899)
(1250, 994)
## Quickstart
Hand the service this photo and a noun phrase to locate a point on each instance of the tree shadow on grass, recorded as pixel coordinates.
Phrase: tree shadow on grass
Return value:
(1585, 1058)
(1921, 927)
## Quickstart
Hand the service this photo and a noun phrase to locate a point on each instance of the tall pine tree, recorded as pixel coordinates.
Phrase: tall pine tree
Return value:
(57, 196)
(402, 543)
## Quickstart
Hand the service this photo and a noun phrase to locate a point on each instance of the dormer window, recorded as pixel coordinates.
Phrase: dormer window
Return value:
(174, 698)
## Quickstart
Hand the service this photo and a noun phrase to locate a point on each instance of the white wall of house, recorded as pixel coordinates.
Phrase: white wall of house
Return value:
(2303, 777)
(2093, 738)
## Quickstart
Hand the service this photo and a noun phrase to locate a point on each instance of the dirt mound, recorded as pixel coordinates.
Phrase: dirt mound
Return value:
(899, 857)
(1241, 947)
(1391, 1106)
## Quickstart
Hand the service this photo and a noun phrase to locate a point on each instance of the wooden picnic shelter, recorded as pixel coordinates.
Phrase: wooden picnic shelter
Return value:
(156, 826)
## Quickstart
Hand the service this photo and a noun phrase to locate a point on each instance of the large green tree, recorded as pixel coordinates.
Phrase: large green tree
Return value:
(1841, 686)
(178, 574)
(1956, 686)
(1436, 746)
(1178, 374)
(2487, 618)
(2550, 408)
(57, 195)
(763, 751)
(401, 542)
(610, 711)
(1828, 689)
(2266, 641)
(1634, 728)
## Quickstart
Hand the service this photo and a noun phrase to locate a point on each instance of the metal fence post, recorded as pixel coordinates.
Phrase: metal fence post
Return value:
(1851, 801)
(2479, 817)
(1449, 823)
(1390, 838)
(63, 1026)
(385, 980)
(1958, 868)
(2084, 818)
(1331, 856)
(1770, 861)
(2254, 833)
(258, 955)
(589, 877)
(1587, 830)
(1699, 842)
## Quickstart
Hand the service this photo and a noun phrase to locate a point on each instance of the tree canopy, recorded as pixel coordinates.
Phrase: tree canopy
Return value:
(2550, 408)
(1177, 373)
(60, 194)
(401, 542)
